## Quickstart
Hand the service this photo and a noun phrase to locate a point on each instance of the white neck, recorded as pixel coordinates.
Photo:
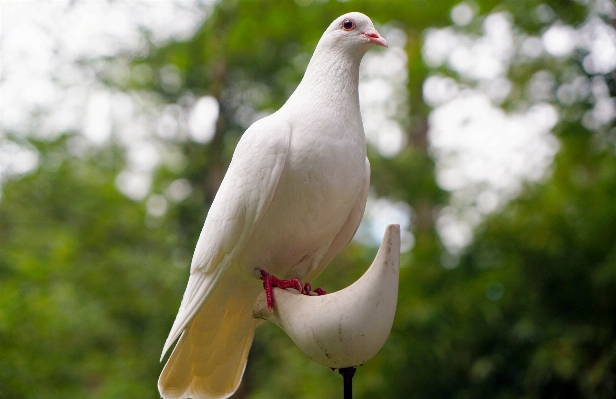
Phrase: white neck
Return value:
(331, 78)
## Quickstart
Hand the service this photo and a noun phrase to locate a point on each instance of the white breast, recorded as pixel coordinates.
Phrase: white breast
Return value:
(321, 182)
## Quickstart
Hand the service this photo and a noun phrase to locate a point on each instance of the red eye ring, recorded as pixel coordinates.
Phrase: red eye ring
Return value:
(348, 24)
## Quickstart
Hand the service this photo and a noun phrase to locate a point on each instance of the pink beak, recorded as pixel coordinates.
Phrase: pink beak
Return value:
(374, 37)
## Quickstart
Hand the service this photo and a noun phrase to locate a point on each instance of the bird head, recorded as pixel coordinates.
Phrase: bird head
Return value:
(353, 31)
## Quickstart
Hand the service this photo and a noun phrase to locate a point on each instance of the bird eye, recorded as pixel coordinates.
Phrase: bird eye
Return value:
(348, 24)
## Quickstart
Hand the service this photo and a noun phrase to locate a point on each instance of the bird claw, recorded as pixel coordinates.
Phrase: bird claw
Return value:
(308, 290)
(320, 291)
(270, 281)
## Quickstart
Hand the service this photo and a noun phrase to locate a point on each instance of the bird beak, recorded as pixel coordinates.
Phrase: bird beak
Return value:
(374, 37)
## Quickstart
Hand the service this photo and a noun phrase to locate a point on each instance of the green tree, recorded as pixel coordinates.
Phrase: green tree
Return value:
(84, 282)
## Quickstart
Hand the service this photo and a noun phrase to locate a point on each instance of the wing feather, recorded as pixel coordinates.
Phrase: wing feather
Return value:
(244, 195)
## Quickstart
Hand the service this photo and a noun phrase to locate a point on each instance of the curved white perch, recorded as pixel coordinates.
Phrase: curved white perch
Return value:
(348, 327)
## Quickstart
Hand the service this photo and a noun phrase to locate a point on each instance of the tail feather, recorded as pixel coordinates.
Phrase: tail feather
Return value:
(200, 286)
(210, 357)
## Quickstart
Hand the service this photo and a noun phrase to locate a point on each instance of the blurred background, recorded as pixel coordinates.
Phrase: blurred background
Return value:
(492, 139)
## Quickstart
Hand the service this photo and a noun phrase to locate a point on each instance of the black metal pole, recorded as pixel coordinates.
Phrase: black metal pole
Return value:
(347, 375)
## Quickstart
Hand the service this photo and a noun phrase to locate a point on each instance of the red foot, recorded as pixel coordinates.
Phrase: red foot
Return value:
(320, 291)
(308, 290)
(270, 281)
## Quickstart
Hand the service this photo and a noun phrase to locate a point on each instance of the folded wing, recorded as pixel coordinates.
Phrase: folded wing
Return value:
(244, 195)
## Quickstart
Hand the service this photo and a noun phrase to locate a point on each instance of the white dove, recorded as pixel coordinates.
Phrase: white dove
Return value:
(292, 198)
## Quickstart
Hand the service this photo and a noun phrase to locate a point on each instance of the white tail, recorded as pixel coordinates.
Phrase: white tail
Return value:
(210, 357)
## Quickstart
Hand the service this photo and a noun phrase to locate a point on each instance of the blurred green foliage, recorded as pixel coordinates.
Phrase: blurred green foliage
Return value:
(90, 282)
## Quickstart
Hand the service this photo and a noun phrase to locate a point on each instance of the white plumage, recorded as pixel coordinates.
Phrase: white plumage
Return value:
(292, 198)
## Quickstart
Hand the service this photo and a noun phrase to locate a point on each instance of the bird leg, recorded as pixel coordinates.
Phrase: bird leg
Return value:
(270, 281)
